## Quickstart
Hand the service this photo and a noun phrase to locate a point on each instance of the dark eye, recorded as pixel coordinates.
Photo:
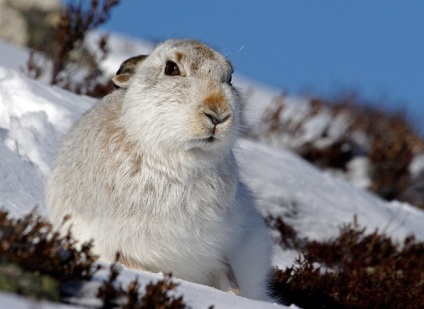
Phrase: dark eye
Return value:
(230, 80)
(171, 68)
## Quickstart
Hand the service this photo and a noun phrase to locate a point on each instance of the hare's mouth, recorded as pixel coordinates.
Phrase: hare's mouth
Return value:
(202, 142)
(210, 139)
(207, 140)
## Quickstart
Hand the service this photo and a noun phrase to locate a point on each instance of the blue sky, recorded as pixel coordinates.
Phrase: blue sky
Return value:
(374, 47)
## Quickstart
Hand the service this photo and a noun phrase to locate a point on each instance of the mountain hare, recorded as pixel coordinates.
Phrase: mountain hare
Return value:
(149, 172)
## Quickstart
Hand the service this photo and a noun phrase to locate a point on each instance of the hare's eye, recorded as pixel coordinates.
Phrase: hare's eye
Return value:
(230, 80)
(171, 68)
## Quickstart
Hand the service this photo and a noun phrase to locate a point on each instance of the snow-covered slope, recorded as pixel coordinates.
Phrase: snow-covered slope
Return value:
(34, 116)
(315, 203)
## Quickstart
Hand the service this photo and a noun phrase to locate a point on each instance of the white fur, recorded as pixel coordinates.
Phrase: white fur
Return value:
(138, 175)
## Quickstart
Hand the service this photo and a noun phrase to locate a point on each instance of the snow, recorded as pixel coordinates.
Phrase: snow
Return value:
(417, 165)
(195, 295)
(34, 116)
(33, 119)
(123, 48)
(19, 302)
(316, 203)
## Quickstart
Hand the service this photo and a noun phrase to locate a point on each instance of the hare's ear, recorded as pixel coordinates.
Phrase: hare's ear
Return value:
(126, 71)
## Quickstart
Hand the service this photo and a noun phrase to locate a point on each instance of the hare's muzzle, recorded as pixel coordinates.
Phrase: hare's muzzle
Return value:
(217, 119)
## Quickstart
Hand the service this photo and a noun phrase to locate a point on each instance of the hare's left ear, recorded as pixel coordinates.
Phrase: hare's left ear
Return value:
(126, 71)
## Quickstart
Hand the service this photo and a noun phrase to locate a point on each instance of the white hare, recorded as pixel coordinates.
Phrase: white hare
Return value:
(149, 172)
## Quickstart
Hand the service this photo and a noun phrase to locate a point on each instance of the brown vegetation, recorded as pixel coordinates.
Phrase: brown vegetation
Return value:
(66, 51)
(30, 249)
(354, 270)
(37, 262)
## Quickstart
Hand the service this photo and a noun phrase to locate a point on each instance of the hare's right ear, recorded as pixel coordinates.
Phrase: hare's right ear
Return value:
(126, 71)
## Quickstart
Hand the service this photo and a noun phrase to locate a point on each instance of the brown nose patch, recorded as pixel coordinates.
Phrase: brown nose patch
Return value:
(216, 102)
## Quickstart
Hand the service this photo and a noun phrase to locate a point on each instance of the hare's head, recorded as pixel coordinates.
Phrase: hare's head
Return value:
(180, 97)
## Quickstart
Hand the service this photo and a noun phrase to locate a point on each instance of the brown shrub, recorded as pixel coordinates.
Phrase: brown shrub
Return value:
(38, 262)
(288, 237)
(76, 20)
(30, 243)
(357, 270)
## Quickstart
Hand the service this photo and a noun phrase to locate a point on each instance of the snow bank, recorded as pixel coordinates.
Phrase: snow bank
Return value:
(315, 203)
(33, 119)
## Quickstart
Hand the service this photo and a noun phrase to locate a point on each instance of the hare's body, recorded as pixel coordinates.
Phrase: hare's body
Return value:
(149, 172)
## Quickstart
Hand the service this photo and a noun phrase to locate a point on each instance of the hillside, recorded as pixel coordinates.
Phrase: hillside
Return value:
(34, 116)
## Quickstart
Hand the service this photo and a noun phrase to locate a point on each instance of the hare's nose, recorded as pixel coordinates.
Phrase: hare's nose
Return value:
(215, 119)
